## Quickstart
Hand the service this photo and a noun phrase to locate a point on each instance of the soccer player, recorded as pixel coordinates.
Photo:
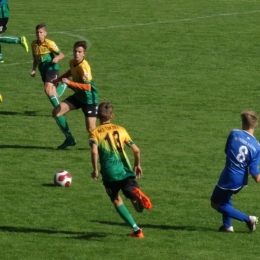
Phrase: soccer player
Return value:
(4, 17)
(46, 55)
(107, 143)
(242, 158)
(85, 93)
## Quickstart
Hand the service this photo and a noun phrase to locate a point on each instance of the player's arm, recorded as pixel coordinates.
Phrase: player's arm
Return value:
(35, 64)
(94, 160)
(256, 177)
(137, 167)
(62, 77)
(82, 86)
(254, 168)
(59, 56)
(227, 143)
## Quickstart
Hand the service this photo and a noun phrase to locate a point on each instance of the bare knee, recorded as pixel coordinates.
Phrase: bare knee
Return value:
(117, 201)
(56, 112)
(49, 89)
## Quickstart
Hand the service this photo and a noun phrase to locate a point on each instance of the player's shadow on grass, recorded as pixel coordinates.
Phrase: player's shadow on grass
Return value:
(25, 113)
(79, 235)
(26, 147)
(164, 227)
(41, 147)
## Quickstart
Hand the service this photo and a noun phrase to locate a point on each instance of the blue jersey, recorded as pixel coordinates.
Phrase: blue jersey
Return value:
(242, 158)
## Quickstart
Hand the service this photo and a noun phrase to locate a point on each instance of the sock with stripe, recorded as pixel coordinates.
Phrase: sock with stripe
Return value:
(7, 39)
(61, 89)
(60, 120)
(125, 215)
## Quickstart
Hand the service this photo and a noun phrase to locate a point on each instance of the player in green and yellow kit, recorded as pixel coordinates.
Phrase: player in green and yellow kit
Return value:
(4, 17)
(85, 93)
(46, 55)
(107, 143)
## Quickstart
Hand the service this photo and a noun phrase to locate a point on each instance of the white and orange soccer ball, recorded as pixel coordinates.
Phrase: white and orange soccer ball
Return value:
(62, 178)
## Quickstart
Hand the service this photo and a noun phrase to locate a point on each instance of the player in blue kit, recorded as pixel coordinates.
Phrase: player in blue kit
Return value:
(242, 158)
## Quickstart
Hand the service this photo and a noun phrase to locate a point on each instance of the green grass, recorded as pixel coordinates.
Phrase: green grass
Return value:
(178, 73)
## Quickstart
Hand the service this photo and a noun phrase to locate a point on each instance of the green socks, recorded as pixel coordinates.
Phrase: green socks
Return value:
(62, 123)
(125, 215)
(54, 101)
(61, 89)
(7, 39)
(60, 120)
(1, 56)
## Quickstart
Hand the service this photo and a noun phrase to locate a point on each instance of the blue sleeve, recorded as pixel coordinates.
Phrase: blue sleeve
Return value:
(254, 165)
(227, 143)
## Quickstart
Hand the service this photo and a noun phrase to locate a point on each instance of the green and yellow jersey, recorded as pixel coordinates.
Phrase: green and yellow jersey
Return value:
(81, 73)
(110, 139)
(44, 53)
(4, 9)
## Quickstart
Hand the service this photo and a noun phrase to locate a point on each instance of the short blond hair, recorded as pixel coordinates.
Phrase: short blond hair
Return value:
(249, 119)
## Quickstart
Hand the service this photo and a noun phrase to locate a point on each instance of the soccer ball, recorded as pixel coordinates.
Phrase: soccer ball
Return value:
(62, 178)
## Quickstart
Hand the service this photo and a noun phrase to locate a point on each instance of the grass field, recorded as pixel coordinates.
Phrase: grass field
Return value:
(178, 73)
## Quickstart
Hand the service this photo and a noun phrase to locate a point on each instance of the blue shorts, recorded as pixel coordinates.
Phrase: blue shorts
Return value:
(220, 196)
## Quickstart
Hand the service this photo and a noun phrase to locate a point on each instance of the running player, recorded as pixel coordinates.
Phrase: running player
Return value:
(46, 55)
(85, 93)
(242, 158)
(4, 17)
(107, 142)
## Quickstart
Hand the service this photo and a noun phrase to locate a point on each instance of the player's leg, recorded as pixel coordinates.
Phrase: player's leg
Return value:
(226, 220)
(138, 198)
(127, 188)
(49, 88)
(112, 189)
(58, 113)
(90, 112)
(60, 89)
(50, 91)
(15, 40)
(220, 201)
(1, 55)
(3, 23)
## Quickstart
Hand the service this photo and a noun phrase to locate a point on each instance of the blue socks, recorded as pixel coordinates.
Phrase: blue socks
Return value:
(228, 212)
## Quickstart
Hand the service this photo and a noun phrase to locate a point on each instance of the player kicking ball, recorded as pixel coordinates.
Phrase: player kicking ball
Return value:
(107, 143)
(242, 158)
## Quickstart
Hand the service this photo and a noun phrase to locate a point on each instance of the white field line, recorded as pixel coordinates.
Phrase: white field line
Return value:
(134, 25)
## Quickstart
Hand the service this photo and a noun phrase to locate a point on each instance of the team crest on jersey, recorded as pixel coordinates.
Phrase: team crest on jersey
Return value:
(55, 46)
(86, 74)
